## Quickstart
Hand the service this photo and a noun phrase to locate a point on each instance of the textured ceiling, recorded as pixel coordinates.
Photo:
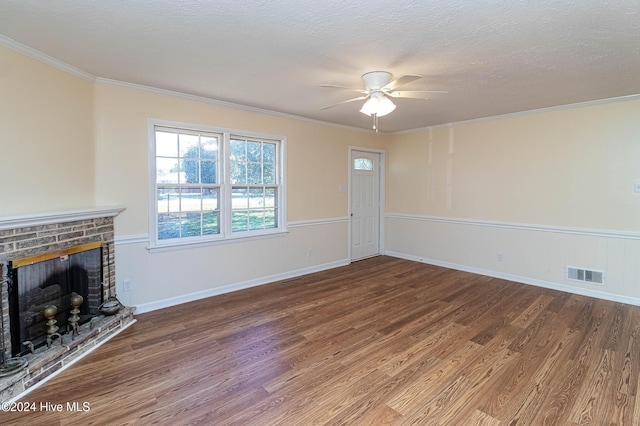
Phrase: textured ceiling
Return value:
(492, 56)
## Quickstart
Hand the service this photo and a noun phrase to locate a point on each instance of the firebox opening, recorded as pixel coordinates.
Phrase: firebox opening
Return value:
(50, 279)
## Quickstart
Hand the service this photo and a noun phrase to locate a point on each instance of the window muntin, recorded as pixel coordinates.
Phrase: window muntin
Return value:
(196, 200)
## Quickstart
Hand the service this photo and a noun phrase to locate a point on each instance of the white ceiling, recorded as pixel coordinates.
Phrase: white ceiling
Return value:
(493, 56)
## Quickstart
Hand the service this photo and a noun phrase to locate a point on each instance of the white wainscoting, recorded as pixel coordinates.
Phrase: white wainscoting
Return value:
(169, 277)
(530, 254)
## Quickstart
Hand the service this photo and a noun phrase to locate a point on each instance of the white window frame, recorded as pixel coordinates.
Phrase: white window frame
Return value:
(226, 235)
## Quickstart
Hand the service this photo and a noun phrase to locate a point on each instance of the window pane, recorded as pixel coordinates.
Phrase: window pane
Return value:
(162, 197)
(190, 170)
(209, 149)
(210, 199)
(270, 218)
(256, 219)
(254, 152)
(238, 173)
(168, 226)
(191, 200)
(239, 198)
(269, 197)
(254, 173)
(210, 223)
(166, 144)
(239, 220)
(167, 170)
(362, 164)
(256, 198)
(191, 225)
(208, 172)
(238, 150)
(189, 146)
(168, 200)
(269, 174)
(269, 153)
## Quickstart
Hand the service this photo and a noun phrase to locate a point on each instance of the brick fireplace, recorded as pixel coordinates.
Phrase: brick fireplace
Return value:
(29, 237)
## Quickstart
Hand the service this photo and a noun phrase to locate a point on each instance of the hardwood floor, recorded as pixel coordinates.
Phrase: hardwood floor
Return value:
(381, 341)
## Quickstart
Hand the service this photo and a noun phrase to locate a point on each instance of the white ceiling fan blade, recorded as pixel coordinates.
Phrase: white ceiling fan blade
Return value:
(400, 81)
(415, 94)
(359, 98)
(336, 86)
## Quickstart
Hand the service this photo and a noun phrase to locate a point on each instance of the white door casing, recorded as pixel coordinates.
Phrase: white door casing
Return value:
(365, 204)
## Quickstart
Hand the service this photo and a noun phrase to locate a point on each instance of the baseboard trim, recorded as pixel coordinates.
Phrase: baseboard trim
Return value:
(521, 279)
(178, 300)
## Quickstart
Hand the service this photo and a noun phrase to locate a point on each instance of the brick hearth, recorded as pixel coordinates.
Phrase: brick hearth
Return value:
(36, 234)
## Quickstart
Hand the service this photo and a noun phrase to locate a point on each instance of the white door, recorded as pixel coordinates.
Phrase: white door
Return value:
(365, 204)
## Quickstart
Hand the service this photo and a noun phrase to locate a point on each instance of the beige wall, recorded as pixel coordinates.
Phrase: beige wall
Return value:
(316, 163)
(317, 155)
(46, 137)
(573, 167)
(522, 197)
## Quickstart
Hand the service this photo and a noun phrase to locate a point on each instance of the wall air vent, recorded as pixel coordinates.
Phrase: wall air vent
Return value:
(585, 275)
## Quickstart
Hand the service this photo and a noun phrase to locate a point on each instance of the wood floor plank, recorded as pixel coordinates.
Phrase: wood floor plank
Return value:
(380, 341)
(415, 396)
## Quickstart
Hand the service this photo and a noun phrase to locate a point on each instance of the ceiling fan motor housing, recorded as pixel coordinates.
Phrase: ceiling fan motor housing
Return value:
(376, 79)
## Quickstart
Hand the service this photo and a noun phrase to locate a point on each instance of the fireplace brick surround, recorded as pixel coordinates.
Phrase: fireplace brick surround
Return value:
(37, 234)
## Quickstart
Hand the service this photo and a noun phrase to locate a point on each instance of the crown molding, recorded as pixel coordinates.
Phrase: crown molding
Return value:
(49, 60)
(525, 113)
(203, 99)
(35, 54)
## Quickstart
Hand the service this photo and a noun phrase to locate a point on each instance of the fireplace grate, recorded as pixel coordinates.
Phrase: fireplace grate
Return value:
(50, 279)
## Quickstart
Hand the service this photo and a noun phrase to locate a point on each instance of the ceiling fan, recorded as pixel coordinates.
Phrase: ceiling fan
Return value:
(379, 88)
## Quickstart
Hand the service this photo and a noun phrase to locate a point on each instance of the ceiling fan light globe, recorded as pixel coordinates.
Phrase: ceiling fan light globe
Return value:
(370, 107)
(385, 106)
(378, 105)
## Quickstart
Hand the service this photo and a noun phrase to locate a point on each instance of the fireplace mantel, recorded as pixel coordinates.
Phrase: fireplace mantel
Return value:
(37, 219)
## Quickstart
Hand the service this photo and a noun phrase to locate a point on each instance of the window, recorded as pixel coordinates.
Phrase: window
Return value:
(254, 191)
(362, 164)
(214, 184)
